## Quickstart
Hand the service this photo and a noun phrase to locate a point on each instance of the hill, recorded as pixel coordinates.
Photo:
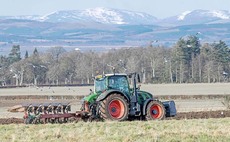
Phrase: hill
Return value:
(103, 28)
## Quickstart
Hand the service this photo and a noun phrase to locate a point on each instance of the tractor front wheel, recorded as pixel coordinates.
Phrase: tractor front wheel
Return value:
(155, 111)
(114, 107)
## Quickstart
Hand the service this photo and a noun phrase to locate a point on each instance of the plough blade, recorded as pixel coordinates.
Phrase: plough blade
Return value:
(47, 112)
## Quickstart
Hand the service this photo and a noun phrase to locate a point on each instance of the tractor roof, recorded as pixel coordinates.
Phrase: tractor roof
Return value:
(123, 74)
(107, 75)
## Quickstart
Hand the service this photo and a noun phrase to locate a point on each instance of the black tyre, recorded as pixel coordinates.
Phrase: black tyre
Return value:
(155, 111)
(114, 107)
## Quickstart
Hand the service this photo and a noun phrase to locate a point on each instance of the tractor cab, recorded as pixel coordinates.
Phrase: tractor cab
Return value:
(112, 81)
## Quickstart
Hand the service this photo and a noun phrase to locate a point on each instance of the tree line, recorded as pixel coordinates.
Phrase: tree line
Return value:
(188, 61)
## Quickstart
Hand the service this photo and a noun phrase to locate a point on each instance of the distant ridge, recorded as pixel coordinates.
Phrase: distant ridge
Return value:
(119, 17)
(99, 14)
(106, 28)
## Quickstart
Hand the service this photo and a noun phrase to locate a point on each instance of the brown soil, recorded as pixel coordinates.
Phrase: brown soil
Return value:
(202, 115)
(11, 120)
(180, 116)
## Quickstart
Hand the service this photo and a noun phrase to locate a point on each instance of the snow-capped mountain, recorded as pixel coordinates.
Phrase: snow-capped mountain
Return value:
(100, 15)
(198, 17)
(118, 17)
(111, 27)
(212, 15)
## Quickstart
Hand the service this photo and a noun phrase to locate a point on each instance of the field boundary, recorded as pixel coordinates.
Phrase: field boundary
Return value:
(79, 97)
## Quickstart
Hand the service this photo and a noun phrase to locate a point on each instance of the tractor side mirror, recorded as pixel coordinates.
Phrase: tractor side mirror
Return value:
(138, 78)
(139, 87)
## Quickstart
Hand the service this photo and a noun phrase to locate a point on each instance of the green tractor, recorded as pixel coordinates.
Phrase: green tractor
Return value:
(113, 98)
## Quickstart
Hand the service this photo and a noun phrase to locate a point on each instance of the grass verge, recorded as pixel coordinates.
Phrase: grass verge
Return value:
(201, 130)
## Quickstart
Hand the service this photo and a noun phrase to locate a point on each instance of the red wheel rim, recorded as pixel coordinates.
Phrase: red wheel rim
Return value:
(116, 109)
(156, 111)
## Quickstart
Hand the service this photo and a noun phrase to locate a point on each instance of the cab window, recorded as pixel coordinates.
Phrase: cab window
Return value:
(119, 83)
(100, 85)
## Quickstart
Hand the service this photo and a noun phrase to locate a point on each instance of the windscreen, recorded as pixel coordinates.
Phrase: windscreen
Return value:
(119, 83)
(100, 85)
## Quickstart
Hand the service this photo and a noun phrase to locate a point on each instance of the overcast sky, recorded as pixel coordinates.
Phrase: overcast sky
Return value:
(158, 8)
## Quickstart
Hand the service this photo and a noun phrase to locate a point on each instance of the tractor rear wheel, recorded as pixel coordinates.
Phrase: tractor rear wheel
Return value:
(155, 111)
(114, 107)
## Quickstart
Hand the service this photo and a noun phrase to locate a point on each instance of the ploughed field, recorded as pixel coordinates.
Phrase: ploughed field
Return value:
(180, 116)
(193, 101)
(155, 89)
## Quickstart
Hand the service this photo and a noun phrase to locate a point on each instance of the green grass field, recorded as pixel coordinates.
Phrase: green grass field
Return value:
(200, 130)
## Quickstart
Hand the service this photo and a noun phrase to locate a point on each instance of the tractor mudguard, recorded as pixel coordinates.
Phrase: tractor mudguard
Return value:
(145, 105)
(170, 108)
(107, 93)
